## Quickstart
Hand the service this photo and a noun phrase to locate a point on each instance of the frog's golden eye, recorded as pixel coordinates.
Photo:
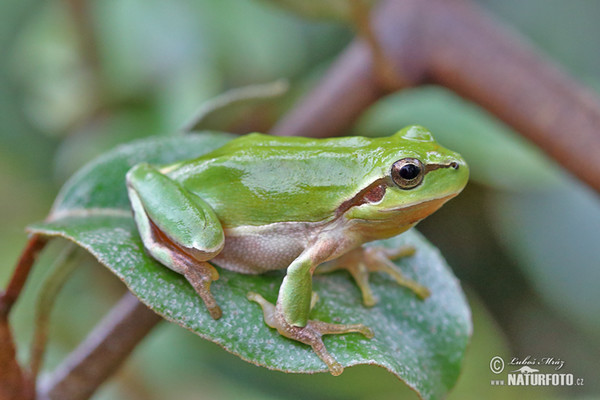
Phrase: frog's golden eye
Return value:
(408, 173)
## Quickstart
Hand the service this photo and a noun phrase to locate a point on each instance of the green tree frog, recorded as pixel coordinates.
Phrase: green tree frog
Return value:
(264, 202)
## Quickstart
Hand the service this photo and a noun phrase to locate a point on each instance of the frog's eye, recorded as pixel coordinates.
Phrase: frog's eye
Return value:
(408, 173)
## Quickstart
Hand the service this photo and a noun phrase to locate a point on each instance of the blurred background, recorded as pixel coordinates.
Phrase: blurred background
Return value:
(78, 77)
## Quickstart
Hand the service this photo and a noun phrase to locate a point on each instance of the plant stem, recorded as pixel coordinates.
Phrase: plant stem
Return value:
(385, 72)
(14, 383)
(60, 271)
(102, 352)
(10, 295)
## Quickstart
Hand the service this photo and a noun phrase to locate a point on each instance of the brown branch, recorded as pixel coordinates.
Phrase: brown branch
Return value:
(61, 269)
(8, 298)
(455, 44)
(14, 382)
(350, 86)
(102, 352)
(347, 89)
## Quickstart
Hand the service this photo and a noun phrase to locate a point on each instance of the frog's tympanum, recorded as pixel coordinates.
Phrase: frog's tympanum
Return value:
(264, 202)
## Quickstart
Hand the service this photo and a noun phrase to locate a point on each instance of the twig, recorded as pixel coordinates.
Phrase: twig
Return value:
(455, 44)
(385, 73)
(348, 88)
(59, 272)
(101, 353)
(14, 383)
(520, 87)
(8, 298)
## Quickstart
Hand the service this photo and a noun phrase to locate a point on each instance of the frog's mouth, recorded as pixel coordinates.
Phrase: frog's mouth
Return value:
(391, 222)
(403, 214)
(418, 211)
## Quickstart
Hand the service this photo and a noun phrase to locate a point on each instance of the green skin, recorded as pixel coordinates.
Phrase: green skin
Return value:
(264, 202)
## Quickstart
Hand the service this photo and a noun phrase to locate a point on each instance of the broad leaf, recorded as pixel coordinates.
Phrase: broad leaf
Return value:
(421, 342)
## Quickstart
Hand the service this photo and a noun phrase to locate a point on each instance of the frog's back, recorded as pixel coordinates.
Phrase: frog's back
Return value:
(269, 146)
(259, 179)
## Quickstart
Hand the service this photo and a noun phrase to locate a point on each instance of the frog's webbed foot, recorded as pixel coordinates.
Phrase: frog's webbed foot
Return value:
(360, 262)
(311, 333)
(198, 273)
(200, 276)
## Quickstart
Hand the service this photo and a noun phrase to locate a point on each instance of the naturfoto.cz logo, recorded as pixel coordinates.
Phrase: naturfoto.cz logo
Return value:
(528, 373)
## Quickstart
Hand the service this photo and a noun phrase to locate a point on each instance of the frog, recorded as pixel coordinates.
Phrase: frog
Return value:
(262, 202)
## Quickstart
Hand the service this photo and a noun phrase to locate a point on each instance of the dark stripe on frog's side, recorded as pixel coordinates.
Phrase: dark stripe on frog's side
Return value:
(375, 192)
(371, 194)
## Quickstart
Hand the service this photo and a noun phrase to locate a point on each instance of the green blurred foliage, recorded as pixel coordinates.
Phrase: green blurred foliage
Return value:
(522, 236)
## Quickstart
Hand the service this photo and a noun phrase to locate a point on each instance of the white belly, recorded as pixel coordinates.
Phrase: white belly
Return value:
(254, 249)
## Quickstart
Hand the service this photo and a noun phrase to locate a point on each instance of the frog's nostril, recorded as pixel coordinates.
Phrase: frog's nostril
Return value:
(454, 165)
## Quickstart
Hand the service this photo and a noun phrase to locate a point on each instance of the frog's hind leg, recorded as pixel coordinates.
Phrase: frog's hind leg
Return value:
(181, 232)
(311, 333)
(362, 261)
(200, 275)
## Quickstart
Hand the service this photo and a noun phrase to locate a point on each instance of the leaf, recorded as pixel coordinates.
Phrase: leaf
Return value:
(237, 105)
(421, 342)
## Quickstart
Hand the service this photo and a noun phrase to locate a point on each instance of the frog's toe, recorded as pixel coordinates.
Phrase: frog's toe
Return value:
(200, 276)
(362, 261)
(379, 259)
(353, 262)
(311, 334)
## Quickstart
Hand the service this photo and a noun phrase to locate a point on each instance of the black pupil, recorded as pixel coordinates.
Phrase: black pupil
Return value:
(409, 171)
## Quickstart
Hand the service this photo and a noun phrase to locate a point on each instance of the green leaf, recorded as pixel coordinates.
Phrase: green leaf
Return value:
(421, 342)
(237, 105)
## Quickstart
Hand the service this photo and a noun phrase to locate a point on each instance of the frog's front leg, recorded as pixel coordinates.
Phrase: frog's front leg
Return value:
(177, 228)
(290, 315)
(364, 260)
